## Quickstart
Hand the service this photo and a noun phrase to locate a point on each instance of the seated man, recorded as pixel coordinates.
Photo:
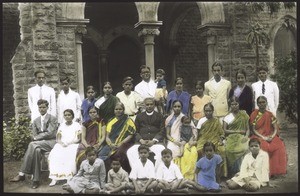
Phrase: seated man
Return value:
(149, 131)
(44, 130)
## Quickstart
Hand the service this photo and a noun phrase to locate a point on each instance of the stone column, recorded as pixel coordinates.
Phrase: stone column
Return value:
(148, 30)
(79, 31)
(211, 32)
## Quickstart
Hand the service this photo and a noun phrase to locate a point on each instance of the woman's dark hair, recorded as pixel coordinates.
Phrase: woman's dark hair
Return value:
(240, 71)
(210, 105)
(91, 107)
(176, 102)
(90, 149)
(70, 111)
(261, 97)
(90, 88)
(233, 99)
(178, 78)
(120, 104)
(209, 144)
(200, 83)
(105, 83)
(254, 140)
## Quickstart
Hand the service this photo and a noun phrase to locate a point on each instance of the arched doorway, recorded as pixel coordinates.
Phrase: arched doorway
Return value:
(284, 42)
(123, 60)
(179, 48)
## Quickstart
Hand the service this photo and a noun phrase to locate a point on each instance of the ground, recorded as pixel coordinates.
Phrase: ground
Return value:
(287, 184)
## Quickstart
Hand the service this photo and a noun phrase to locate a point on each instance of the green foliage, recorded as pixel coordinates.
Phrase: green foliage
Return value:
(16, 137)
(286, 77)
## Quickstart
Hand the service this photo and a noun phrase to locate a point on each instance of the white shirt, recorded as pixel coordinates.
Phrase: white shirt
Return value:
(68, 101)
(141, 171)
(258, 166)
(131, 102)
(271, 93)
(146, 89)
(168, 174)
(48, 94)
(42, 121)
(200, 122)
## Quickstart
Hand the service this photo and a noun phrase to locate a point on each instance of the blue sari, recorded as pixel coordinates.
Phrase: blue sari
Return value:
(184, 97)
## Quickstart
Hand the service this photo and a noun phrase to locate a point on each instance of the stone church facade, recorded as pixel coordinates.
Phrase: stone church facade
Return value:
(97, 42)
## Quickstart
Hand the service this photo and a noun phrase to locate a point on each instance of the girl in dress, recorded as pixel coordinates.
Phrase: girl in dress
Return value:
(208, 168)
(88, 102)
(62, 157)
(198, 101)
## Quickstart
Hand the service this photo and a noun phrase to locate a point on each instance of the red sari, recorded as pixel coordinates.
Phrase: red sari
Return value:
(264, 123)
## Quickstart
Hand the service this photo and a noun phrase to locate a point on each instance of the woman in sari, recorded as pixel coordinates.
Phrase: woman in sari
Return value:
(210, 129)
(178, 94)
(236, 127)
(119, 135)
(93, 134)
(265, 128)
(186, 161)
(106, 104)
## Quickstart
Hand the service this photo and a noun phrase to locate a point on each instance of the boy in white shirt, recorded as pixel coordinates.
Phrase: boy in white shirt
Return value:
(254, 171)
(68, 99)
(169, 176)
(143, 174)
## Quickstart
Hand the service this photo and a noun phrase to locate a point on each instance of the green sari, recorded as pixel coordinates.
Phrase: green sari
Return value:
(211, 130)
(237, 143)
(106, 109)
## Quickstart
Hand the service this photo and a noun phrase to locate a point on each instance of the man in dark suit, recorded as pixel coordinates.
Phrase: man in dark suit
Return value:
(149, 131)
(44, 130)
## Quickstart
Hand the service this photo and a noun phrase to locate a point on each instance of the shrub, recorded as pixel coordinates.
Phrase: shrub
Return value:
(16, 137)
(286, 78)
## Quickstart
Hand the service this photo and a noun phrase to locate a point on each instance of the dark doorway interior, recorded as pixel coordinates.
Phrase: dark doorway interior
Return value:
(123, 60)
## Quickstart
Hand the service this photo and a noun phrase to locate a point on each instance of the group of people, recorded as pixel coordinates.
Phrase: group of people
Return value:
(149, 139)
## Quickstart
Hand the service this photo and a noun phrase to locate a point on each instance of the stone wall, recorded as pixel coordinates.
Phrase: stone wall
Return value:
(191, 61)
(11, 39)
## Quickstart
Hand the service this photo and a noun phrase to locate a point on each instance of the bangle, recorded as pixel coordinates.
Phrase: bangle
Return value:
(172, 139)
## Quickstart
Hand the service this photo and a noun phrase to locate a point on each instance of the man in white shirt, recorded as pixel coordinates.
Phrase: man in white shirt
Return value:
(68, 99)
(266, 88)
(132, 100)
(146, 88)
(41, 91)
(218, 89)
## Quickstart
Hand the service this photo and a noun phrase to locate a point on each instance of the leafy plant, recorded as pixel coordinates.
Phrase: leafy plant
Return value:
(286, 77)
(16, 137)
(256, 37)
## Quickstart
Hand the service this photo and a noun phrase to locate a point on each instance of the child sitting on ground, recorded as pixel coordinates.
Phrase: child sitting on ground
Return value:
(143, 174)
(170, 178)
(90, 179)
(254, 171)
(161, 92)
(186, 134)
(208, 168)
(117, 178)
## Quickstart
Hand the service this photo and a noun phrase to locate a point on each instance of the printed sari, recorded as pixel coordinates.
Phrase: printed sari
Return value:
(264, 124)
(187, 162)
(118, 130)
(236, 144)
(93, 136)
(211, 130)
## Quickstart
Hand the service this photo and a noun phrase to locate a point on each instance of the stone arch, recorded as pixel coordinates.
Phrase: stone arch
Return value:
(95, 36)
(122, 30)
(272, 33)
(211, 12)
